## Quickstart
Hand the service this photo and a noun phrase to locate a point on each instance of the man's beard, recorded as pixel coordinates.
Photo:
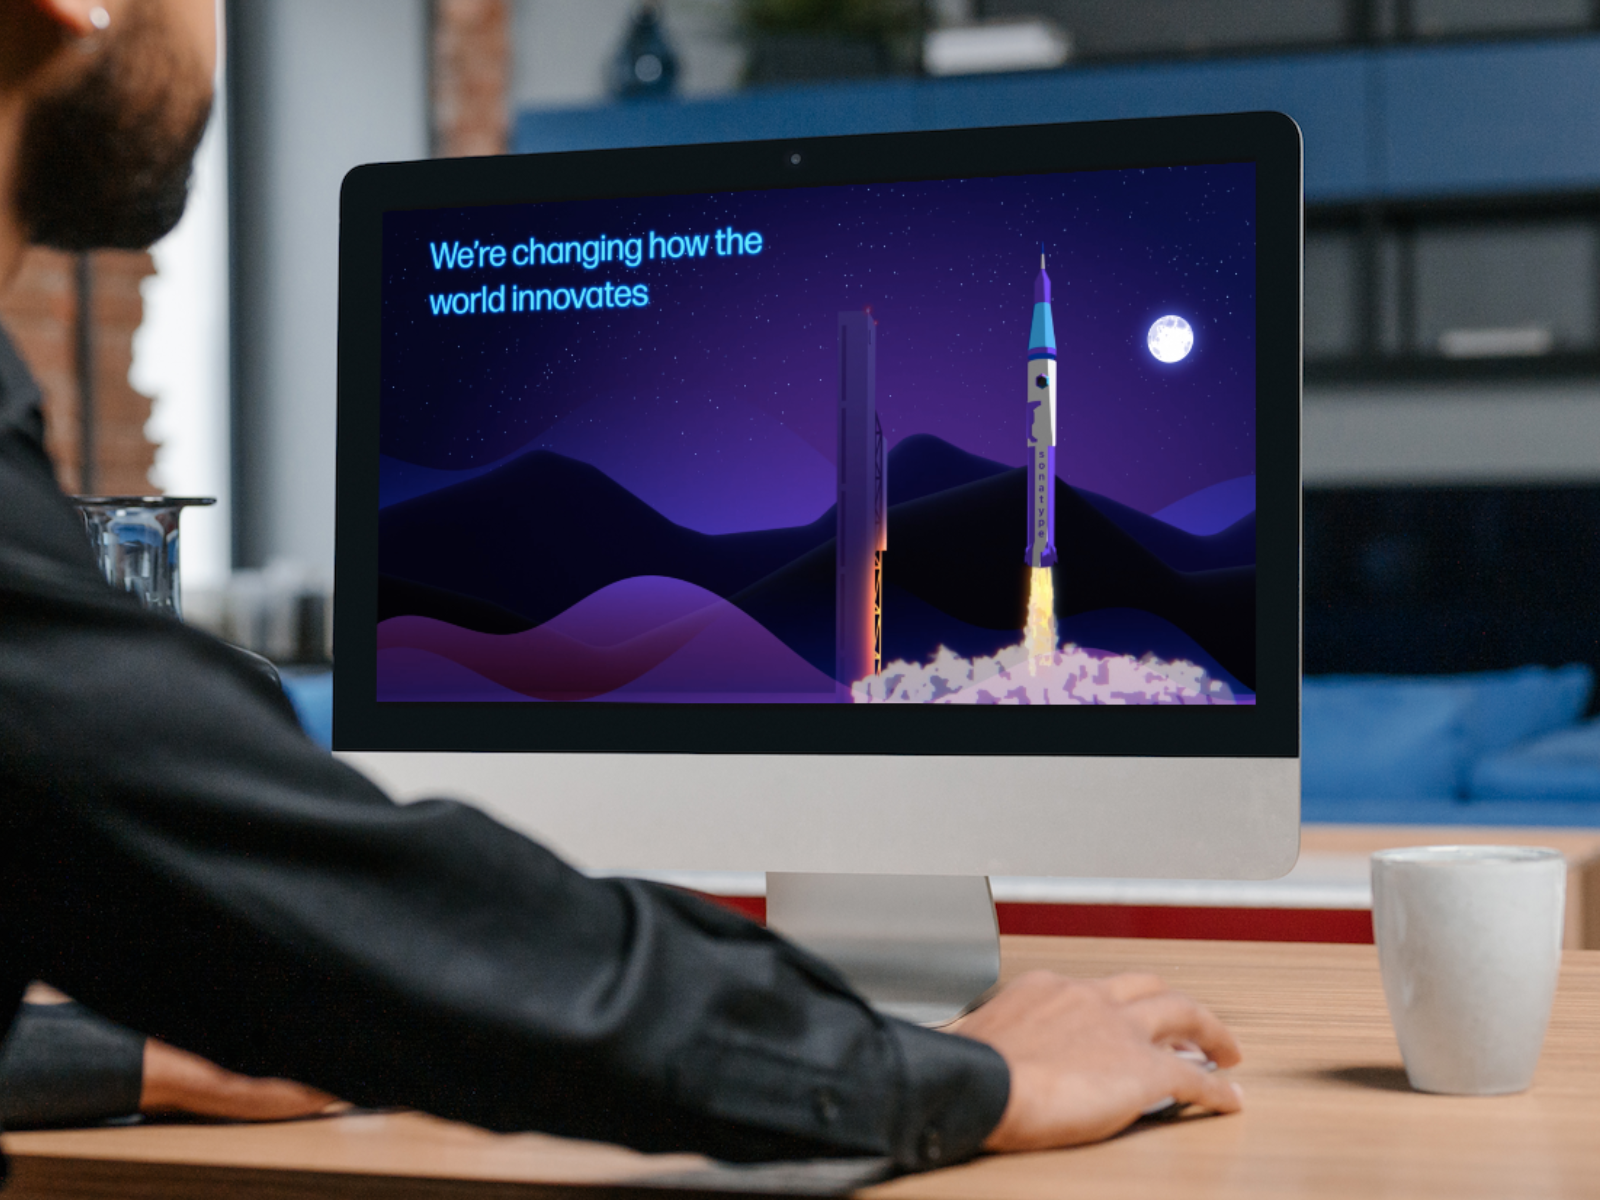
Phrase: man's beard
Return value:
(105, 159)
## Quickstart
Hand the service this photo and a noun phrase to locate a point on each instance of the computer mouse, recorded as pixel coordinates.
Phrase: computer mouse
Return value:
(1167, 1106)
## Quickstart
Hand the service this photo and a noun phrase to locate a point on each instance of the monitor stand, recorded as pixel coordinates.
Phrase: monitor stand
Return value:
(920, 947)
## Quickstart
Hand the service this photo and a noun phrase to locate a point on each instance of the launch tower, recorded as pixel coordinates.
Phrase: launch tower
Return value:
(863, 511)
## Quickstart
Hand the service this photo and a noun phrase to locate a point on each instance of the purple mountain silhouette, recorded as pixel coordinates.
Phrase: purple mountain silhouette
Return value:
(649, 639)
(410, 675)
(922, 465)
(779, 478)
(630, 608)
(511, 551)
(1213, 509)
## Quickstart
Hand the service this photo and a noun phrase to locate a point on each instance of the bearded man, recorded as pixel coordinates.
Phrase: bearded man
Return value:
(175, 854)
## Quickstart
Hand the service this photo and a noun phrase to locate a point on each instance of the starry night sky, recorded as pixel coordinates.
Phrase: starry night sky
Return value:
(716, 403)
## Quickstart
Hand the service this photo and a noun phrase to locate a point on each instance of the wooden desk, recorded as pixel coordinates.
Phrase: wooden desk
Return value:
(1328, 1114)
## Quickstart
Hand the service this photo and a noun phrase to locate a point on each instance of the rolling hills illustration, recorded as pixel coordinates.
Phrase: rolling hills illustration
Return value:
(544, 579)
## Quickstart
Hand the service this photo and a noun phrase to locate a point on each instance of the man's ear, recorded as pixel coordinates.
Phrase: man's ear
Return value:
(81, 17)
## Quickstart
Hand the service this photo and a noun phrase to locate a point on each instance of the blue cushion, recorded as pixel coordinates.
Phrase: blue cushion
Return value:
(311, 693)
(1564, 765)
(1513, 706)
(1418, 737)
(1383, 738)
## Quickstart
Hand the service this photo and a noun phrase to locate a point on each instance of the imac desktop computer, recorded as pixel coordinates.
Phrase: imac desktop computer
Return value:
(883, 513)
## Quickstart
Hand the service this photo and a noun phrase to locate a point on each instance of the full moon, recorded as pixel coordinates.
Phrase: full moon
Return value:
(1171, 339)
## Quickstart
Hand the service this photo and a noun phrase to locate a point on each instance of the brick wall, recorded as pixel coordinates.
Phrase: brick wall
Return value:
(39, 310)
(471, 77)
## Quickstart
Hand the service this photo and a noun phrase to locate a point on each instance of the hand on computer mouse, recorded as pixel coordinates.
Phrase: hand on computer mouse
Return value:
(1088, 1058)
(176, 1081)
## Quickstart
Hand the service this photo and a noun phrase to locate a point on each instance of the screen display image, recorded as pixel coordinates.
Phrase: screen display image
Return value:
(962, 441)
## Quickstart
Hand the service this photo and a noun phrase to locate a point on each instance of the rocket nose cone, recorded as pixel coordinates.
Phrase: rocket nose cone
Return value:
(1041, 288)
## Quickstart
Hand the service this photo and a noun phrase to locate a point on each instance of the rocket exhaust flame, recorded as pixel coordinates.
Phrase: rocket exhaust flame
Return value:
(1040, 631)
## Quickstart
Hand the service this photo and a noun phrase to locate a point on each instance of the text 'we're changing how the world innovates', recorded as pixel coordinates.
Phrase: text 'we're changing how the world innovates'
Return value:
(629, 253)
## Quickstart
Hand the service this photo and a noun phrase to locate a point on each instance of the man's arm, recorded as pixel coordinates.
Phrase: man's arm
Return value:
(63, 1065)
(190, 865)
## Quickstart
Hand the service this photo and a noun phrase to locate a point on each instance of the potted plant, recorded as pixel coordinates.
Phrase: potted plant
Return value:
(792, 41)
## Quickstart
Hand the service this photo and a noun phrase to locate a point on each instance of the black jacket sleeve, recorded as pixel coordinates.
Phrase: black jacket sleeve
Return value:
(176, 854)
(63, 1065)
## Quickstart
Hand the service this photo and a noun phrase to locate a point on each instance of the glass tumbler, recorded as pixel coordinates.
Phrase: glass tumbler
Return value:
(136, 540)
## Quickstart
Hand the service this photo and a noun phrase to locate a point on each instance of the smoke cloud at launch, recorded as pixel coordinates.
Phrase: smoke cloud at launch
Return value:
(1070, 675)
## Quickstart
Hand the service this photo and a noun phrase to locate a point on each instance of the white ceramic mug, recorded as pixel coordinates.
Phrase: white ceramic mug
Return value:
(1469, 942)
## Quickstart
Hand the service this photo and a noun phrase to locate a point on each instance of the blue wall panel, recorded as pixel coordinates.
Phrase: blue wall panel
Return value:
(1402, 123)
(791, 112)
(1484, 119)
(1324, 93)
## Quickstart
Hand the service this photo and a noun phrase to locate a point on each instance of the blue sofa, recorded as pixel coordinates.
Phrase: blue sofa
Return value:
(1494, 748)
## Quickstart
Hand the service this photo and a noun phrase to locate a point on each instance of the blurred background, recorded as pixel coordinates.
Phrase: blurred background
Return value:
(1452, 320)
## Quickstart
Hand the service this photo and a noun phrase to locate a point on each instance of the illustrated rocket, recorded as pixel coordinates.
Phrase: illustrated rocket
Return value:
(1042, 427)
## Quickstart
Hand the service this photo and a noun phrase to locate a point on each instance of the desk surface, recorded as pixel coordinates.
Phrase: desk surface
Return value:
(1328, 1114)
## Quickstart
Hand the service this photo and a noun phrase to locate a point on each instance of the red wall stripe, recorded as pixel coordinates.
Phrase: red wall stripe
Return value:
(754, 907)
(1168, 921)
(1156, 921)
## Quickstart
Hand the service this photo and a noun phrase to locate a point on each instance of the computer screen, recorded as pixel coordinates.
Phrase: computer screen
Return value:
(981, 443)
(1061, 403)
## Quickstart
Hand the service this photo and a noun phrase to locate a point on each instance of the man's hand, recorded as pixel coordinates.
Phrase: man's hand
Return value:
(1087, 1059)
(176, 1081)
